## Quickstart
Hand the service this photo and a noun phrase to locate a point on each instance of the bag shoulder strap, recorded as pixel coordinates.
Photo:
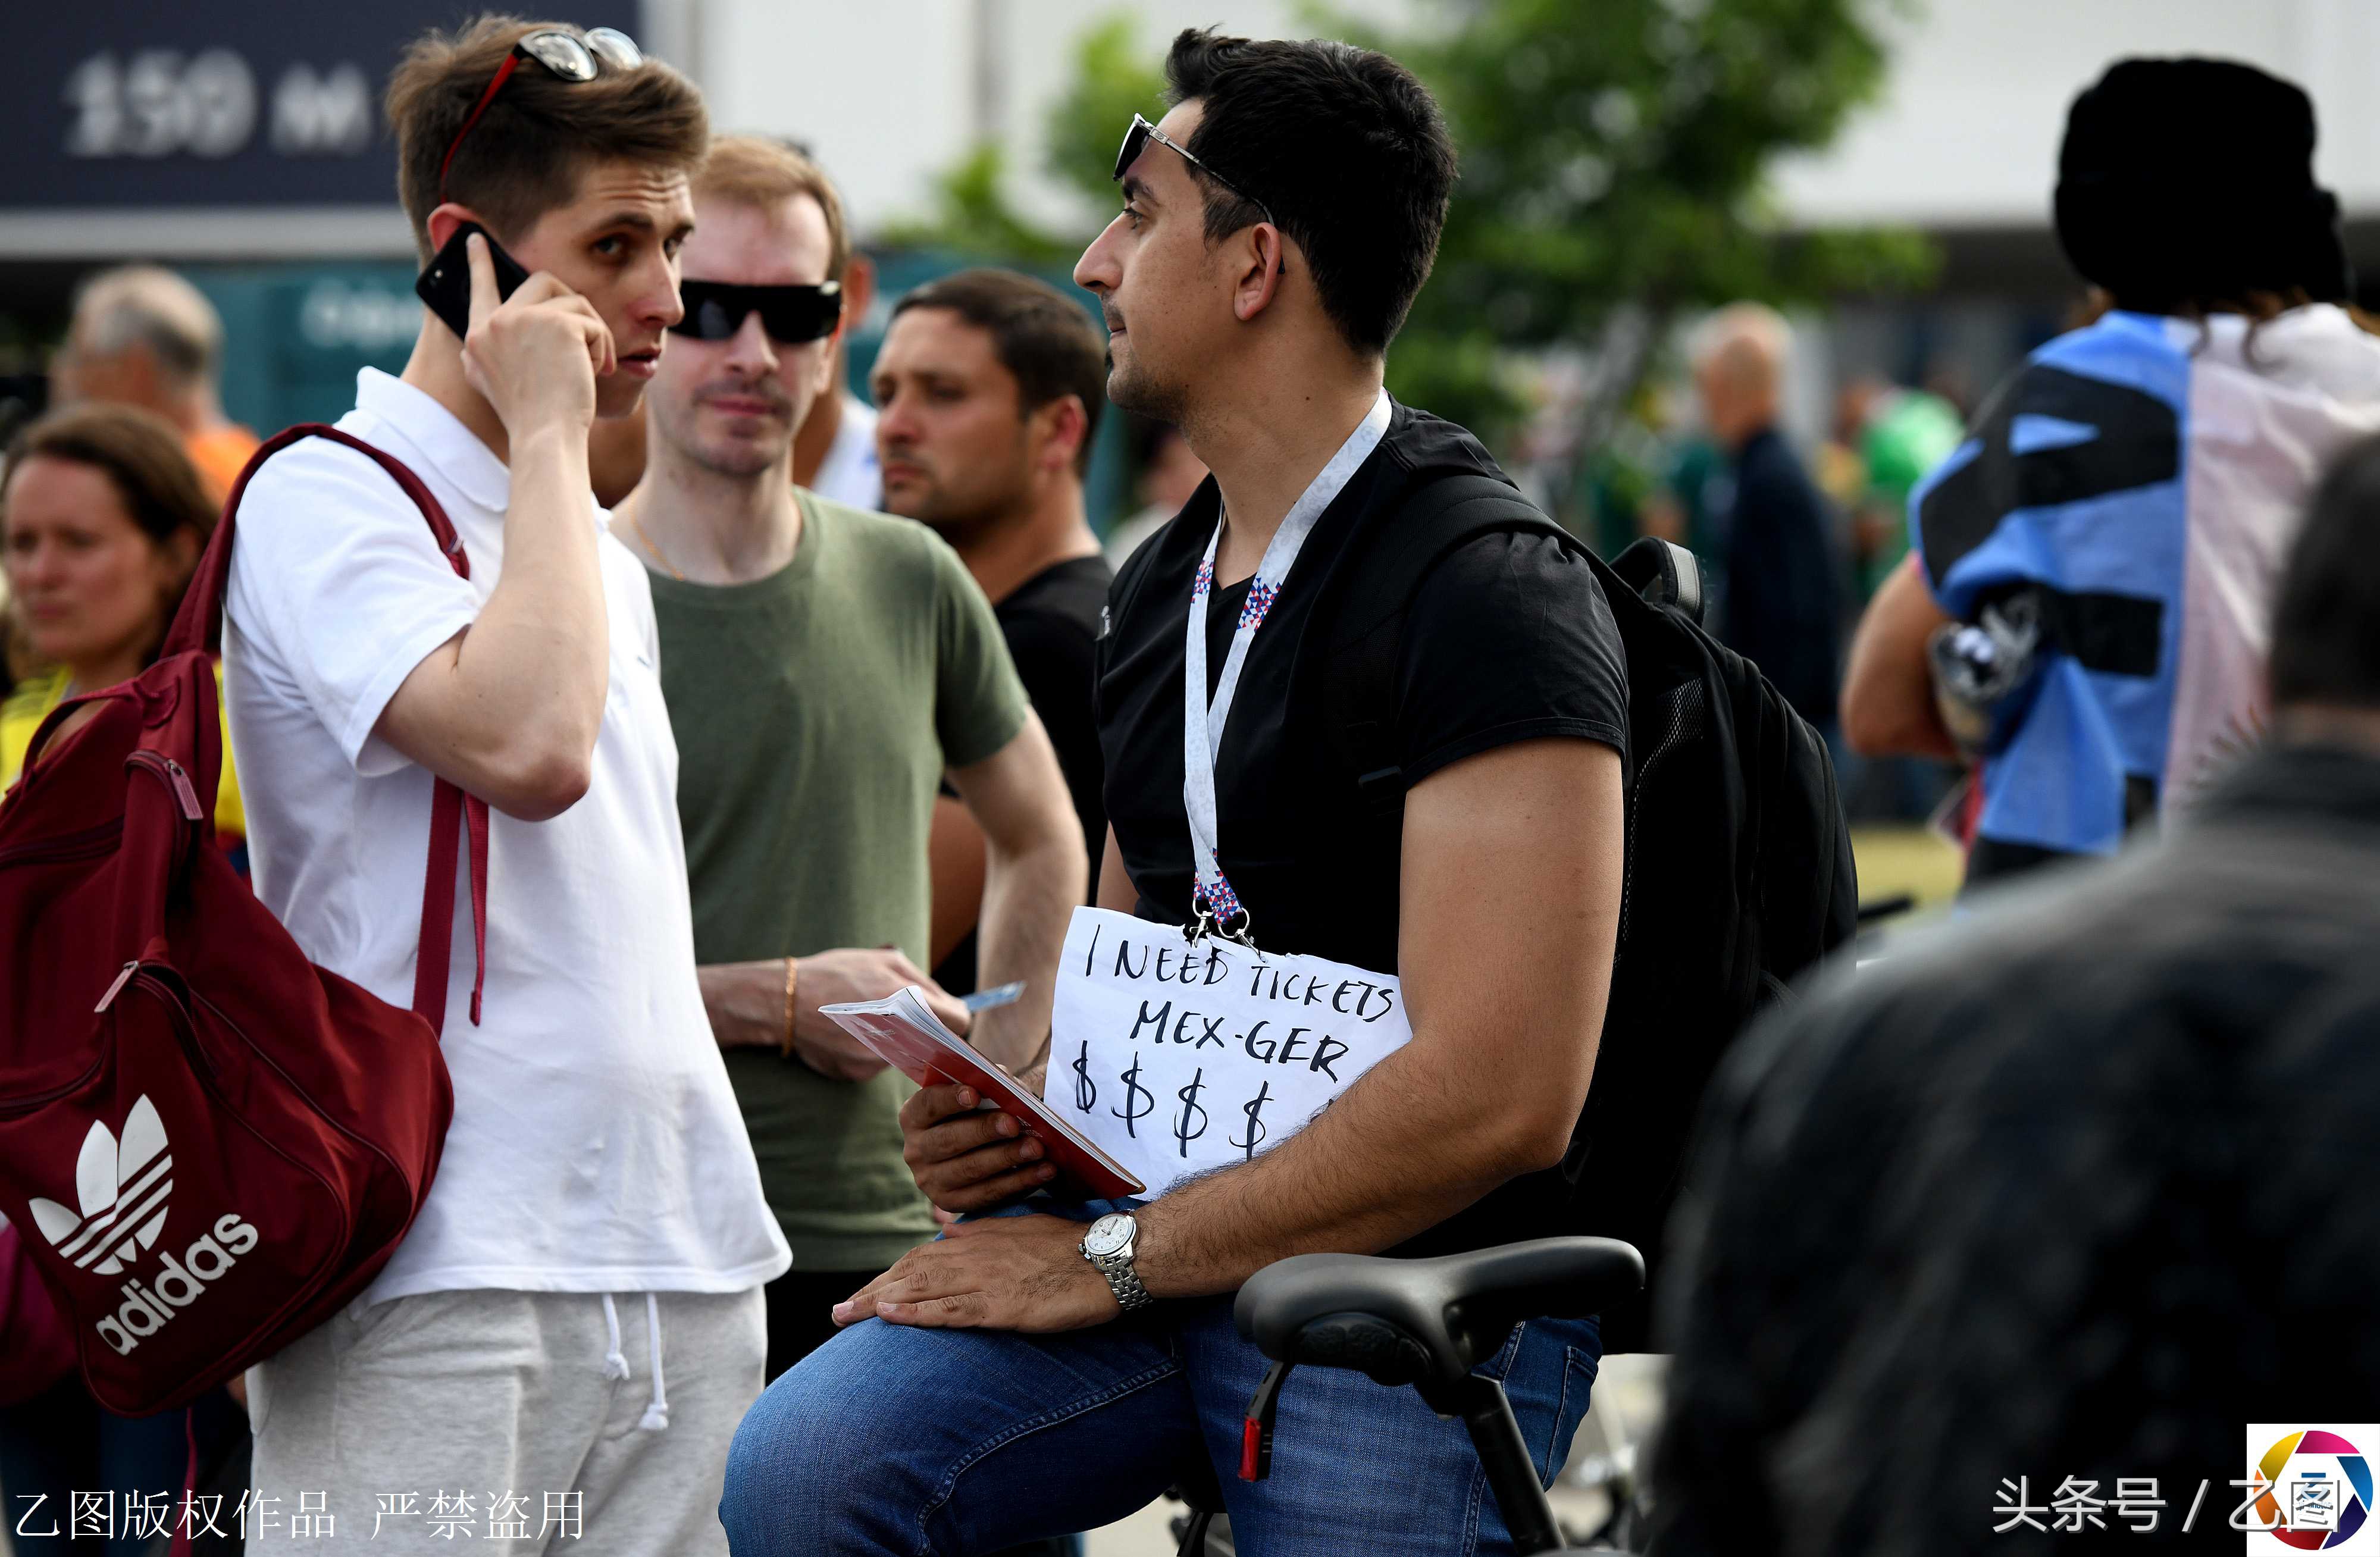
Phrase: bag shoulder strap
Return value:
(198, 624)
(1665, 573)
(455, 817)
(1374, 595)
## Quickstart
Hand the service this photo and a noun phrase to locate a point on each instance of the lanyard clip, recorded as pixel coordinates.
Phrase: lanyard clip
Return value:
(1234, 926)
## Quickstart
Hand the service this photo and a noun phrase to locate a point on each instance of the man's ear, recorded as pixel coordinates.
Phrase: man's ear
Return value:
(858, 290)
(858, 296)
(1262, 253)
(1066, 425)
(446, 220)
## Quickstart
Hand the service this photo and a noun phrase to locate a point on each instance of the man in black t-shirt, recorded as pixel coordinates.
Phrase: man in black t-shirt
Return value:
(1277, 224)
(987, 388)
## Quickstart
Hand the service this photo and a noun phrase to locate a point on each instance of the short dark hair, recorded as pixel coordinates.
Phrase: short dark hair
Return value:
(1346, 149)
(1044, 338)
(2327, 622)
(525, 155)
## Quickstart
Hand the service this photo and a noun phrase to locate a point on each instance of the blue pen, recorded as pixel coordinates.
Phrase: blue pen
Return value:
(999, 995)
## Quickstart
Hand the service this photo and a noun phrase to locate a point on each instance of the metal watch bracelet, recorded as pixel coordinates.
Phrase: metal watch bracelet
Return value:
(1124, 1282)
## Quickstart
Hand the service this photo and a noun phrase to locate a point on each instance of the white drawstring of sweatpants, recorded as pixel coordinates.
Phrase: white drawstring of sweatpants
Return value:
(615, 1366)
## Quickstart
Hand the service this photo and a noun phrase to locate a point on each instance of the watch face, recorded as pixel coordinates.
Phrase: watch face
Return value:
(1108, 1235)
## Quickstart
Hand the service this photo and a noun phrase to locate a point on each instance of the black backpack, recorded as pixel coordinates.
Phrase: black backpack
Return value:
(1739, 870)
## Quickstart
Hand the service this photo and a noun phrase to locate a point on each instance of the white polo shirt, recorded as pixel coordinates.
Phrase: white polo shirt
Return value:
(596, 1144)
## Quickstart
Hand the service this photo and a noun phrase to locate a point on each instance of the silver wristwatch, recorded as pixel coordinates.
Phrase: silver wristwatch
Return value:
(1108, 1245)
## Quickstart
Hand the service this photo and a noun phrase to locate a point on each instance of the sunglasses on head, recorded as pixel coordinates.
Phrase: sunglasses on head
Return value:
(576, 57)
(715, 310)
(1136, 139)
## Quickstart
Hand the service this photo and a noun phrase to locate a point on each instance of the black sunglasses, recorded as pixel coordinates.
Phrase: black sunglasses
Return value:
(792, 315)
(1136, 139)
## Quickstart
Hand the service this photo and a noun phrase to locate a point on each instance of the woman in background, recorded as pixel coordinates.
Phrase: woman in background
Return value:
(101, 520)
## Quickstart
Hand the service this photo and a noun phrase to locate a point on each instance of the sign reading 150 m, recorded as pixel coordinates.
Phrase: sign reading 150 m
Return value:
(156, 104)
(159, 101)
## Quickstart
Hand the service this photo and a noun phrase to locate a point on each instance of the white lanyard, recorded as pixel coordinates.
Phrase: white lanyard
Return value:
(1212, 899)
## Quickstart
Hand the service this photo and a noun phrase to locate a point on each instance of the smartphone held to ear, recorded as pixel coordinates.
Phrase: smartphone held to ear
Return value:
(445, 285)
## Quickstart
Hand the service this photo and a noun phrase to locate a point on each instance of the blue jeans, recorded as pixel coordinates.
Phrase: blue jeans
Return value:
(944, 1442)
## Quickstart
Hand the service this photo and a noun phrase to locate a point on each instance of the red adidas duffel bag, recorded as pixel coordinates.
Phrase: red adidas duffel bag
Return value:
(208, 1145)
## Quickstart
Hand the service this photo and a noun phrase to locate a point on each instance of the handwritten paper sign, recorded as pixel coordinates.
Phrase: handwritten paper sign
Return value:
(1176, 1058)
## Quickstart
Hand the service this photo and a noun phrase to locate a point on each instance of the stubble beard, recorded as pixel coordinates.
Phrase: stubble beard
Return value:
(964, 527)
(737, 460)
(741, 461)
(963, 523)
(1133, 388)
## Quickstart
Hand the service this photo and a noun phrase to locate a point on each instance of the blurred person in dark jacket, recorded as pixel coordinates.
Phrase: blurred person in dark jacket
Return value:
(2073, 1193)
(1784, 601)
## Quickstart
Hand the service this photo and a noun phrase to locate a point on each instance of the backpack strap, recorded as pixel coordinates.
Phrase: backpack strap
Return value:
(1374, 596)
(1666, 574)
(453, 815)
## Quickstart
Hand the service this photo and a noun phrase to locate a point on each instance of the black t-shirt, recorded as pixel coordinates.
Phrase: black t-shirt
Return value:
(1510, 638)
(1051, 623)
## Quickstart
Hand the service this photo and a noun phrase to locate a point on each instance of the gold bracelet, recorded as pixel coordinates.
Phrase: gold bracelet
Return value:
(785, 1045)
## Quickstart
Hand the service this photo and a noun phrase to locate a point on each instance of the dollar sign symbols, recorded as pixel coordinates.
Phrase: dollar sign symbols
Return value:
(1253, 1106)
(1085, 1094)
(1137, 1099)
(1183, 1131)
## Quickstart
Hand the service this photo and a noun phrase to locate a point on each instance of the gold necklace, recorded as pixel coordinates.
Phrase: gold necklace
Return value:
(638, 525)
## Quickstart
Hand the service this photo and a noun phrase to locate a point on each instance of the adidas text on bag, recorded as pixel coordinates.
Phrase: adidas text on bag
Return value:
(208, 1145)
(124, 1186)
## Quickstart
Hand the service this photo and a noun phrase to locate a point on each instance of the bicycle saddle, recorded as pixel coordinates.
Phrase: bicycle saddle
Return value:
(1427, 1321)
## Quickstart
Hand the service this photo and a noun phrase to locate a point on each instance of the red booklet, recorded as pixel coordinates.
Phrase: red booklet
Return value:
(904, 1032)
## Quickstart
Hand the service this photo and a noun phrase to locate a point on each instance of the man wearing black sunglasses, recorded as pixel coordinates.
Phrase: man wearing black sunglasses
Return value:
(824, 666)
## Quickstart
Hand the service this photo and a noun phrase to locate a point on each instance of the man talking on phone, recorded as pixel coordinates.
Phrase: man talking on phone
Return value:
(598, 1208)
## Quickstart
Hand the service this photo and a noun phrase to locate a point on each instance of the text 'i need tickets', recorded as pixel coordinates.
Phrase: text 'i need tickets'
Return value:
(1178, 1058)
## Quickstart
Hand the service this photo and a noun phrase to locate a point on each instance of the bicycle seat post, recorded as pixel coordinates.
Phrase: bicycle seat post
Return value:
(1488, 1417)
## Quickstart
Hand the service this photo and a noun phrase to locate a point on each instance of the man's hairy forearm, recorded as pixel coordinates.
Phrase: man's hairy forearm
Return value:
(1029, 896)
(1509, 887)
(1395, 1155)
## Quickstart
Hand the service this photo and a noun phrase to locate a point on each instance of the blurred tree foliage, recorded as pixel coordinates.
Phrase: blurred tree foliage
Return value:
(972, 215)
(1614, 163)
(1114, 76)
(1117, 74)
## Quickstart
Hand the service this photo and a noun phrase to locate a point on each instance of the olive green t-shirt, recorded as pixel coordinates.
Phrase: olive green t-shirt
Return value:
(814, 711)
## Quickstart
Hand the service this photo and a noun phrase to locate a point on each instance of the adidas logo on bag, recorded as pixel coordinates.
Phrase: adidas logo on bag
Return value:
(122, 1190)
(122, 1186)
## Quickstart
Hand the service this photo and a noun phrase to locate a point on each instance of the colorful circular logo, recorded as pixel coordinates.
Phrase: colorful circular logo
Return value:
(2318, 1490)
